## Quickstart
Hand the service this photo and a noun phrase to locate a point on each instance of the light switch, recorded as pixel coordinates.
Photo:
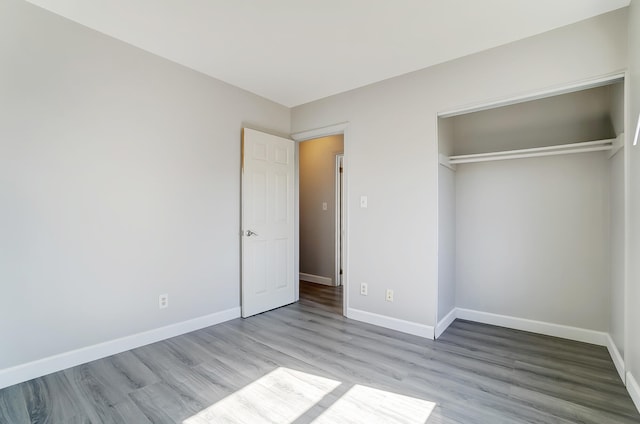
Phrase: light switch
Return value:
(363, 201)
(324, 206)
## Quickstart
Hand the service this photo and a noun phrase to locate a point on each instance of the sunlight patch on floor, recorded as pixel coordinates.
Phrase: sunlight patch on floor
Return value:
(284, 395)
(281, 396)
(363, 404)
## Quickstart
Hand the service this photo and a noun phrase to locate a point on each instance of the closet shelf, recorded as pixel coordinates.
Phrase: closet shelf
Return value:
(561, 149)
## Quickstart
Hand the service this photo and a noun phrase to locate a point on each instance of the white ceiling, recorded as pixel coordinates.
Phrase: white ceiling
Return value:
(297, 51)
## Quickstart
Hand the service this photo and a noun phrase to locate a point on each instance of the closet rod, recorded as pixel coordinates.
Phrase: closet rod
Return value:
(538, 149)
(563, 149)
(530, 155)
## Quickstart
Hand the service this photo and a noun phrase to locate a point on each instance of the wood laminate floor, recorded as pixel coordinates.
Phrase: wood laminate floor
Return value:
(306, 364)
(321, 296)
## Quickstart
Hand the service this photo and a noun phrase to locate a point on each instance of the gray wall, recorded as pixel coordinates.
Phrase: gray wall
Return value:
(632, 356)
(617, 107)
(570, 118)
(392, 149)
(532, 239)
(317, 185)
(119, 181)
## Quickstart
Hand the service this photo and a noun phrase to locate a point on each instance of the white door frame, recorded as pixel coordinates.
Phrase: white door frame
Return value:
(339, 202)
(340, 128)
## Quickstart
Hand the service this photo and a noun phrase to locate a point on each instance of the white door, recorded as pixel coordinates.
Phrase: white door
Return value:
(267, 222)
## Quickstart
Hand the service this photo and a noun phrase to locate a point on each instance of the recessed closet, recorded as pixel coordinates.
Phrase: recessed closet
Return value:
(532, 211)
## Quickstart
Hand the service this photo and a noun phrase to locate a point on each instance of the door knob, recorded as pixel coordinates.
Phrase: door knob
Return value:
(251, 233)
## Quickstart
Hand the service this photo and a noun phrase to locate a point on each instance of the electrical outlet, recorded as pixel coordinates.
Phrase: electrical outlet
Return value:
(389, 297)
(163, 301)
(364, 289)
(325, 206)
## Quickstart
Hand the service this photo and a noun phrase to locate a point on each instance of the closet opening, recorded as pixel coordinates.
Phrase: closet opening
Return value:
(531, 214)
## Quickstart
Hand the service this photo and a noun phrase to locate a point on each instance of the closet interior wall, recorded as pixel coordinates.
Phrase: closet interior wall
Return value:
(539, 238)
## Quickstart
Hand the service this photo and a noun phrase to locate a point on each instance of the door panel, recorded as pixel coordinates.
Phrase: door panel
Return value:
(281, 270)
(267, 222)
(281, 198)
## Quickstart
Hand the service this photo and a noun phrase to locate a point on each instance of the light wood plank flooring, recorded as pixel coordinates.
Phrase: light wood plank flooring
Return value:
(306, 364)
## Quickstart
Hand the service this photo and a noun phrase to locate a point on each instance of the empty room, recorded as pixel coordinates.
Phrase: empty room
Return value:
(289, 212)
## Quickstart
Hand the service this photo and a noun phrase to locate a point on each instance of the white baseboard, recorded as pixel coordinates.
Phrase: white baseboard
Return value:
(44, 366)
(564, 331)
(616, 357)
(408, 327)
(445, 322)
(634, 390)
(316, 279)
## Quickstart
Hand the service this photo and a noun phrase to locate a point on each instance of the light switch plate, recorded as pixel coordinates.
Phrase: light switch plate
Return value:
(363, 201)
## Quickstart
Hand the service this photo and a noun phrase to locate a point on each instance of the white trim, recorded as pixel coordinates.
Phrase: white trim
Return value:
(549, 92)
(445, 322)
(621, 143)
(537, 149)
(556, 330)
(637, 134)
(339, 202)
(401, 325)
(634, 390)
(318, 279)
(627, 221)
(345, 224)
(617, 145)
(532, 155)
(444, 161)
(296, 219)
(561, 149)
(44, 366)
(320, 132)
(436, 174)
(616, 357)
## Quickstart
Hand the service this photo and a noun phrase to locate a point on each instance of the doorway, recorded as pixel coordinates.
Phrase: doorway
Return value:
(321, 219)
